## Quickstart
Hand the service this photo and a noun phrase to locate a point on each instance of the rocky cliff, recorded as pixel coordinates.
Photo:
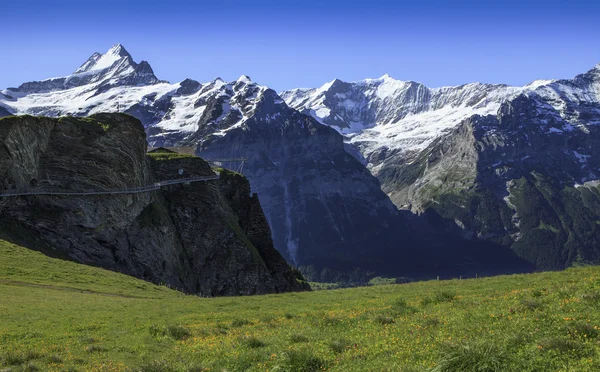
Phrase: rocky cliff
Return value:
(319, 158)
(325, 208)
(209, 238)
(518, 179)
(514, 166)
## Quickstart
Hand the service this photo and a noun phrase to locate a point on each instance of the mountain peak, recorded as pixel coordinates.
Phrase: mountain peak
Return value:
(118, 49)
(383, 79)
(102, 61)
(332, 84)
(244, 79)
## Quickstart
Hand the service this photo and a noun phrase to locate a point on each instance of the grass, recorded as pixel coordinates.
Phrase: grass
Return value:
(61, 316)
(473, 356)
(382, 281)
(253, 342)
(165, 156)
(298, 338)
(302, 361)
(340, 346)
(176, 332)
(438, 297)
(240, 322)
(401, 307)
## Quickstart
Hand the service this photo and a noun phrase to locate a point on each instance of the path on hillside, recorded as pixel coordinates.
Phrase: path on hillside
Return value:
(132, 190)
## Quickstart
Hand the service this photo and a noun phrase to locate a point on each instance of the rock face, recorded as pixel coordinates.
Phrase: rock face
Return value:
(319, 159)
(386, 118)
(112, 69)
(518, 167)
(323, 206)
(505, 180)
(208, 238)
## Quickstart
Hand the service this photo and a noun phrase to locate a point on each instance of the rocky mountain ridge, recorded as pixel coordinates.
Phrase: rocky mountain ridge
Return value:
(308, 152)
(496, 162)
(206, 238)
(294, 164)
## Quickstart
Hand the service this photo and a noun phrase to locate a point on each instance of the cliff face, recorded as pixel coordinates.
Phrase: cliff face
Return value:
(515, 167)
(523, 179)
(208, 238)
(324, 207)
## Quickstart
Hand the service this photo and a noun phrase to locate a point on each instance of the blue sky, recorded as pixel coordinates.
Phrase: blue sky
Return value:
(287, 44)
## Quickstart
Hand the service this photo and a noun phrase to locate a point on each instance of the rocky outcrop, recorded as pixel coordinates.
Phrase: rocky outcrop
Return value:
(208, 238)
(525, 179)
(321, 188)
(324, 207)
(496, 165)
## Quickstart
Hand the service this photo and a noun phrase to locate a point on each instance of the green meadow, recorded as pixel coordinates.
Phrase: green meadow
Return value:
(62, 316)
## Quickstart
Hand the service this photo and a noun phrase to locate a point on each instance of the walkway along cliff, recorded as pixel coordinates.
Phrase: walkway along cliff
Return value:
(100, 200)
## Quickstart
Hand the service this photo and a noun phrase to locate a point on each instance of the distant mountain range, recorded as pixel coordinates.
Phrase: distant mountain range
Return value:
(380, 174)
(515, 165)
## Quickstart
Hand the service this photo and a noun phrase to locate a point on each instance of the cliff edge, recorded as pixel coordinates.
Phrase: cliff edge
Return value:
(209, 238)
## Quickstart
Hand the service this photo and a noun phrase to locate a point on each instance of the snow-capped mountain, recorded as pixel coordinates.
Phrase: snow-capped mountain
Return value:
(324, 207)
(215, 108)
(518, 166)
(114, 82)
(391, 120)
(387, 118)
(114, 68)
(450, 154)
(102, 84)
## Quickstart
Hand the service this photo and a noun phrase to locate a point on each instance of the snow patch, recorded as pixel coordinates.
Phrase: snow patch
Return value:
(244, 79)
(114, 54)
(581, 157)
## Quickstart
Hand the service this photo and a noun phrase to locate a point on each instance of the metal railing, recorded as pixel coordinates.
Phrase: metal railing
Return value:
(130, 190)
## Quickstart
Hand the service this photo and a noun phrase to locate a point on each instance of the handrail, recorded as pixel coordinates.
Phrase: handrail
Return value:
(131, 190)
(226, 160)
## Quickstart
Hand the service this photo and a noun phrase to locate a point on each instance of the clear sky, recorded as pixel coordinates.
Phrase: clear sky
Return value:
(288, 44)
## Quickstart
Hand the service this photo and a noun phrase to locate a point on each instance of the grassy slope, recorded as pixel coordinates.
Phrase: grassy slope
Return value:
(56, 315)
